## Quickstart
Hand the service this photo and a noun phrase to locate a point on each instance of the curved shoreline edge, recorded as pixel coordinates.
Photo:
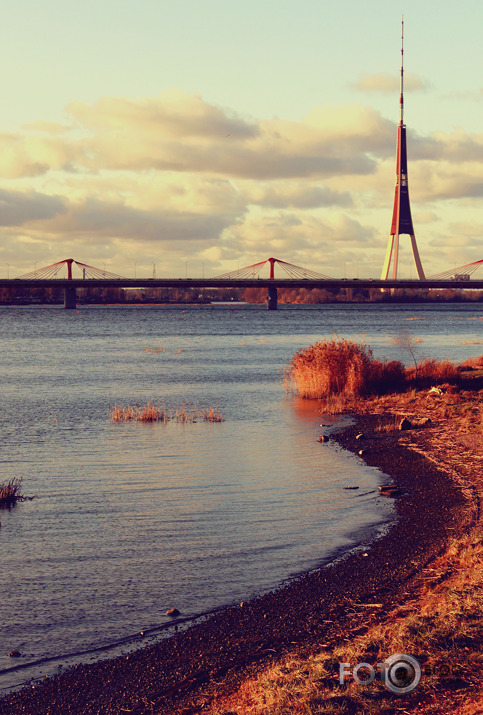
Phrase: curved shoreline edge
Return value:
(302, 614)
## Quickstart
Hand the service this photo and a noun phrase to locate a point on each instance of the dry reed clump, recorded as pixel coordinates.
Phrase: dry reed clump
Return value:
(338, 367)
(10, 492)
(343, 374)
(433, 372)
(152, 413)
(474, 363)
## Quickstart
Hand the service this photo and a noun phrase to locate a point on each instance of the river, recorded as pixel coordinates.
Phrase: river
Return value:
(131, 519)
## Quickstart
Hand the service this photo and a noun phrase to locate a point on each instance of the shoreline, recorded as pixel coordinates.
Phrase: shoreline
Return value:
(313, 608)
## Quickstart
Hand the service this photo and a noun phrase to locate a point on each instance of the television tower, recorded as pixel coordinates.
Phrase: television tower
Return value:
(402, 222)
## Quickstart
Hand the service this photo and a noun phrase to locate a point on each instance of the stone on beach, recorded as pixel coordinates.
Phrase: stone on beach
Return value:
(389, 490)
(423, 422)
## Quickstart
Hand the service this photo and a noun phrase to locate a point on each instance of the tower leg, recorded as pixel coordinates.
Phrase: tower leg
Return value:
(387, 261)
(396, 256)
(70, 297)
(272, 298)
(417, 260)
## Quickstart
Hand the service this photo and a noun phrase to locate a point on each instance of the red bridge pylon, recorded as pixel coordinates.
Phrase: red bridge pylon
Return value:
(291, 270)
(55, 268)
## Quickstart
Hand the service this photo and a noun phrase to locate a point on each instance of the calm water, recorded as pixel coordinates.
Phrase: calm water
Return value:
(132, 519)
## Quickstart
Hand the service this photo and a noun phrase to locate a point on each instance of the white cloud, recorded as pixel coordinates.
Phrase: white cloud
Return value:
(390, 83)
(127, 179)
(19, 208)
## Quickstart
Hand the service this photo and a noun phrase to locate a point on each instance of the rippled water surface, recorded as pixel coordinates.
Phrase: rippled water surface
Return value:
(131, 519)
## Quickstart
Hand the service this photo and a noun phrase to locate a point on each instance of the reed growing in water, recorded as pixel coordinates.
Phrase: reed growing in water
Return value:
(152, 413)
(10, 492)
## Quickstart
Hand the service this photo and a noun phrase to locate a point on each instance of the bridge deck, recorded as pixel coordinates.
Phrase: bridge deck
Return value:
(472, 284)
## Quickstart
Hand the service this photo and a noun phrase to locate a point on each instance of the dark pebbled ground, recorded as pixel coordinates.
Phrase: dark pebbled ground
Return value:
(168, 676)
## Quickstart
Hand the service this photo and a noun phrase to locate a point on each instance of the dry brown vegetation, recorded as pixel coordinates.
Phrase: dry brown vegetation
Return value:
(441, 618)
(443, 625)
(10, 492)
(338, 367)
(149, 412)
(345, 377)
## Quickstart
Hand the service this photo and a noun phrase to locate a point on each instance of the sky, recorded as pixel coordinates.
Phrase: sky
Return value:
(192, 138)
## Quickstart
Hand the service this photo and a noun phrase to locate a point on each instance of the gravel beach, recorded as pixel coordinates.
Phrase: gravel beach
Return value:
(316, 608)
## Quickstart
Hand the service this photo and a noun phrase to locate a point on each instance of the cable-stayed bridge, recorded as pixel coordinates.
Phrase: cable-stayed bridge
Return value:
(71, 275)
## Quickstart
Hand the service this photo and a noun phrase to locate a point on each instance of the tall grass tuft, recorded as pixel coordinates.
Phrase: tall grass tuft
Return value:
(211, 414)
(10, 492)
(339, 367)
(474, 363)
(145, 413)
(152, 413)
(433, 372)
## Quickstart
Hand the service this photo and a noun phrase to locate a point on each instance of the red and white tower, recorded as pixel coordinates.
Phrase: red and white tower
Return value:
(402, 222)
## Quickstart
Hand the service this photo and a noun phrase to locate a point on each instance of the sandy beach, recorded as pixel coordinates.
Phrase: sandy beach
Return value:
(319, 607)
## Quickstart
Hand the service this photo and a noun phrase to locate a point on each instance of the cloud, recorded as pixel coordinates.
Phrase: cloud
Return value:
(54, 128)
(390, 83)
(125, 179)
(19, 208)
(116, 220)
(30, 155)
(173, 114)
(298, 237)
(178, 132)
(16, 160)
(295, 195)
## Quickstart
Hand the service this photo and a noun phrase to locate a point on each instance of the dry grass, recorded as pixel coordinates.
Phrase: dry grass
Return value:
(345, 377)
(390, 424)
(338, 367)
(442, 627)
(463, 406)
(441, 623)
(210, 414)
(155, 350)
(10, 492)
(433, 372)
(152, 413)
(474, 363)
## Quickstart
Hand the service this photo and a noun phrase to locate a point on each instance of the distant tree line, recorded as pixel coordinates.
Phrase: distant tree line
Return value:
(21, 295)
(351, 294)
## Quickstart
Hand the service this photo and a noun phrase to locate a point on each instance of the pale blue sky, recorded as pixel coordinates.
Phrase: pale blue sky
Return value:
(262, 58)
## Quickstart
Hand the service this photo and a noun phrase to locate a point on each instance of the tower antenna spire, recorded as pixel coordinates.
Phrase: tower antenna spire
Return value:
(401, 100)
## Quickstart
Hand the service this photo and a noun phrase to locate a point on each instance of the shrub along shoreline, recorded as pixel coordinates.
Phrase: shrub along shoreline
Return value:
(346, 378)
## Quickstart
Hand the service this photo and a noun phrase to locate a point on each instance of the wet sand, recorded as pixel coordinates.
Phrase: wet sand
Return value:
(316, 608)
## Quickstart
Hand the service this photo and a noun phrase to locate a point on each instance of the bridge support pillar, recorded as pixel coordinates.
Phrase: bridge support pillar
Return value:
(272, 298)
(70, 297)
